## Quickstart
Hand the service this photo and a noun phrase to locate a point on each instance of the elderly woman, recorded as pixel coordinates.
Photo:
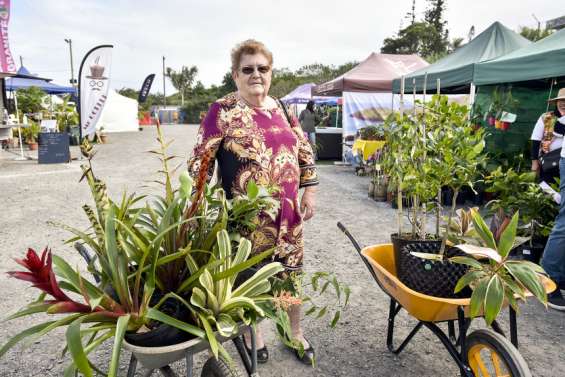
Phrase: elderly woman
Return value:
(249, 134)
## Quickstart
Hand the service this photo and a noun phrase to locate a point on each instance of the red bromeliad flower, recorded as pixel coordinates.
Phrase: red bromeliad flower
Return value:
(42, 276)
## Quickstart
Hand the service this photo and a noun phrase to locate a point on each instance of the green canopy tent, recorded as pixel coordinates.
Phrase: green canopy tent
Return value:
(457, 70)
(541, 60)
(531, 74)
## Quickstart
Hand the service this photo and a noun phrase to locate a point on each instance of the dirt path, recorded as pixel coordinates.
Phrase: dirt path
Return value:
(34, 194)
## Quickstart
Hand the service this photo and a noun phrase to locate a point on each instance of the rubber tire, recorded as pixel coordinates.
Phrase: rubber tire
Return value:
(505, 350)
(219, 368)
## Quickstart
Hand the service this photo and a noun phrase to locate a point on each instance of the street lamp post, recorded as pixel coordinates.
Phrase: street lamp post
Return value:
(164, 94)
(73, 81)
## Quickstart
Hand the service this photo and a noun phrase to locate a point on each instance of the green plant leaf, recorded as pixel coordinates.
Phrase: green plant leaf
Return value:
(322, 312)
(22, 335)
(164, 318)
(494, 298)
(478, 298)
(506, 242)
(483, 230)
(335, 319)
(471, 262)
(121, 328)
(467, 279)
(33, 308)
(74, 342)
(311, 310)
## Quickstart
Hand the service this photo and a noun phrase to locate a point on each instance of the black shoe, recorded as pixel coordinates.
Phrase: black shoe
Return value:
(556, 301)
(308, 357)
(262, 353)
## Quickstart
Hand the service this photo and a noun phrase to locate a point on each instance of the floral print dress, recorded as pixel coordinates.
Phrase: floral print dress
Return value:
(259, 144)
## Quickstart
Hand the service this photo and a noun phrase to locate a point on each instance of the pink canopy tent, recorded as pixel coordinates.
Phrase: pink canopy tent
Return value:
(374, 74)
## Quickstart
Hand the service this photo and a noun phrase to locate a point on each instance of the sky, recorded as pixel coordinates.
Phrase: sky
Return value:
(202, 33)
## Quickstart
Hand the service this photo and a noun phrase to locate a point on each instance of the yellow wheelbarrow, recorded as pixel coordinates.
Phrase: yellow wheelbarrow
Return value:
(482, 353)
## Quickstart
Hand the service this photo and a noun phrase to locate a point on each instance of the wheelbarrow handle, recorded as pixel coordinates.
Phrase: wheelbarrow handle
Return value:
(351, 238)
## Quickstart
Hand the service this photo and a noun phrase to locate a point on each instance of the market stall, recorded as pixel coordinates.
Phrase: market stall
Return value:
(520, 83)
(456, 72)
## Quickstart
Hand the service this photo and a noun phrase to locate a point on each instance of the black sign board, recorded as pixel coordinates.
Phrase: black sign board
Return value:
(53, 148)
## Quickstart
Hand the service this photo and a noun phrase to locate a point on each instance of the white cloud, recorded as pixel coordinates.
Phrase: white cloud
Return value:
(202, 33)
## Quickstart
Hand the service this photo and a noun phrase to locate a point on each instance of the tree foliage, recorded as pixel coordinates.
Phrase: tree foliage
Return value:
(29, 99)
(534, 34)
(428, 38)
(182, 80)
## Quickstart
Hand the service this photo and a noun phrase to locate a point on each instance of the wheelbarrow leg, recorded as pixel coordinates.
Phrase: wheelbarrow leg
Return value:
(132, 366)
(451, 331)
(513, 328)
(393, 311)
(189, 364)
(250, 363)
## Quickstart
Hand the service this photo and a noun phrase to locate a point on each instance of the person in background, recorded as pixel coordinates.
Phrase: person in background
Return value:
(308, 120)
(545, 140)
(553, 260)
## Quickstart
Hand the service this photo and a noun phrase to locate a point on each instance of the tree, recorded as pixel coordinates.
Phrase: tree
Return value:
(534, 34)
(434, 17)
(427, 38)
(29, 99)
(183, 80)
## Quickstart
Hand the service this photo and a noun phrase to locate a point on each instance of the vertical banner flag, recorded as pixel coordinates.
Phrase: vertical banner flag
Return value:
(94, 81)
(6, 60)
(145, 88)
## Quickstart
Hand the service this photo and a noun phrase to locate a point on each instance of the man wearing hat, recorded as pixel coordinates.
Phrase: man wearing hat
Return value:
(553, 260)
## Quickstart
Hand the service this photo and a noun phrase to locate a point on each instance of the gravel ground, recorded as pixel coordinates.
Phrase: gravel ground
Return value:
(34, 194)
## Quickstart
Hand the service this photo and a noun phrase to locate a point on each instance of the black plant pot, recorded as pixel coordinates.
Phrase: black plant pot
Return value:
(162, 334)
(532, 253)
(399, 242)
(433, 278)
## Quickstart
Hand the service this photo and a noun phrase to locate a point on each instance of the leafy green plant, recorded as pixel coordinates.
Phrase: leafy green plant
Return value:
(31, 132)
(429, 150)
(498, 279)
(164, 250)
(520, 192)
(460, 229)
(66, 114)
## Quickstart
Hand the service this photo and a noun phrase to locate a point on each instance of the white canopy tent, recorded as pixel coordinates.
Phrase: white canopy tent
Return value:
(119, 114)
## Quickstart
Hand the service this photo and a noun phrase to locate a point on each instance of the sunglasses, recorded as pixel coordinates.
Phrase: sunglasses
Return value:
(260, 68)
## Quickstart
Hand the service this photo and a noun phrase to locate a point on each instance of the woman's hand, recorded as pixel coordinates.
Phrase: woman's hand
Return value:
(535, 165)
(308, 203)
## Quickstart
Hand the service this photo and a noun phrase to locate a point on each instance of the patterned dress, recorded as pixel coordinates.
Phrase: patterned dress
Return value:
(259, 144)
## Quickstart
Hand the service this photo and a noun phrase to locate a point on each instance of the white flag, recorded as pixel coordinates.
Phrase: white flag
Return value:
(94, 84)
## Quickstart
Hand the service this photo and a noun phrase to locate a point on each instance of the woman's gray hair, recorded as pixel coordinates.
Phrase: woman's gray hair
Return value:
(249, 47)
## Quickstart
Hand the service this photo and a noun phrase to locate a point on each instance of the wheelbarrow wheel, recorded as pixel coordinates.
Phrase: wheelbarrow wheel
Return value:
(219, 368)
(492, 355)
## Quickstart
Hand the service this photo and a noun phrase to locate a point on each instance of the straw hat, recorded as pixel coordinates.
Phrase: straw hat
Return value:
(560, 95)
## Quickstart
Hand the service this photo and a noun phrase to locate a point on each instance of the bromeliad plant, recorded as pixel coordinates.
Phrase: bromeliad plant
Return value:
(494, 278)
(174, 247)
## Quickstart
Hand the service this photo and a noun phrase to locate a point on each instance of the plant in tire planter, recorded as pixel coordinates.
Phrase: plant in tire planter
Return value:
(493, 277)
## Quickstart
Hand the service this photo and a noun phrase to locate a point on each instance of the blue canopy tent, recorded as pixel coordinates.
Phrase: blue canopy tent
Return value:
(23, 80)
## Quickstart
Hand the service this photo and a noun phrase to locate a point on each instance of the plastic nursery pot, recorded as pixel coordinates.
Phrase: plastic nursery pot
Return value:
(371, 189)
(399, 242)
(431, 277)
(32, 146)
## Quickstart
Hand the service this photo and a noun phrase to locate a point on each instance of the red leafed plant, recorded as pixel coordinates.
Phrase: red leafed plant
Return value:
(42, 276)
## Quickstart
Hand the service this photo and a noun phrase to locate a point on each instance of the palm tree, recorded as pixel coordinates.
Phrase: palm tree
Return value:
(182, 80)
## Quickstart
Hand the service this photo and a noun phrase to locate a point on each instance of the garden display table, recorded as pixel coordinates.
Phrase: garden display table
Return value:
(367, 147)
